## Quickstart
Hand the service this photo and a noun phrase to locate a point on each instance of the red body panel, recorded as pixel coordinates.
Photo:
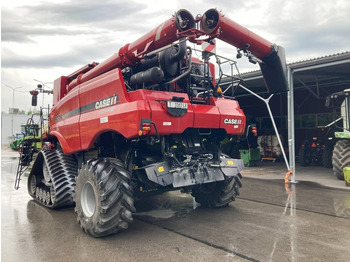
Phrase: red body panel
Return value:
(232, 118)
(102, 104)
(206, 116)
(64, 121)
(60, 89)
(167, 124)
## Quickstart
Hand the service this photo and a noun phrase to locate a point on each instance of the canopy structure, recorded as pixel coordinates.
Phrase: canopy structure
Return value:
(310, 82)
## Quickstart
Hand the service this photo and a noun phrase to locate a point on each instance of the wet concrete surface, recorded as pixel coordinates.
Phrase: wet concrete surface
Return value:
(269, 221)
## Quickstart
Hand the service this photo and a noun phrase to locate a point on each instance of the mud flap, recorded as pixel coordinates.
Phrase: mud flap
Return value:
(162, 174)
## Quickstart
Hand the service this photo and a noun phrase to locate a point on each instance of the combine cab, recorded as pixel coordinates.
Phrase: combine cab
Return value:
(147, 120)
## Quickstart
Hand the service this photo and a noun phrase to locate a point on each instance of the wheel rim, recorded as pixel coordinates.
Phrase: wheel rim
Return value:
(88, 199)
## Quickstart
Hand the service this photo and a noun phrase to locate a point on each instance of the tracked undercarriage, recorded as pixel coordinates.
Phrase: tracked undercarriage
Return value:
(51, 181)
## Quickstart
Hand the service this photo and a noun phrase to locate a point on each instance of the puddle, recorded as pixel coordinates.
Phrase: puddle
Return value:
(166, 206)
(158, 213)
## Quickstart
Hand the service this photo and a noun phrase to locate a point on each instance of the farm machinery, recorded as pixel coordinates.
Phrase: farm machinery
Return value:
(341, 151)
(316, 152)
(29, 131)
(147, 120)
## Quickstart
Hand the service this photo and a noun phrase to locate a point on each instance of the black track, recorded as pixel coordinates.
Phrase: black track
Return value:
(63, 169)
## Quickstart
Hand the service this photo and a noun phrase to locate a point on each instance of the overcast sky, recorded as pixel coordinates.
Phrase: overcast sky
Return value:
(46, 39)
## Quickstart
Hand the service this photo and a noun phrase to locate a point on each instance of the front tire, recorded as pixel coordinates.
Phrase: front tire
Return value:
(104, 197)
(341, 158)
(218, 194)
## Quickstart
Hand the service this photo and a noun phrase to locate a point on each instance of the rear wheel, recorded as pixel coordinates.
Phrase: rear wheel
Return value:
(341, 158)
(218, 194)
(104, 197)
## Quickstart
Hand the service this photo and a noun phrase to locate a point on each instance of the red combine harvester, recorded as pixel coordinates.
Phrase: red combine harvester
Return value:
(147, 120)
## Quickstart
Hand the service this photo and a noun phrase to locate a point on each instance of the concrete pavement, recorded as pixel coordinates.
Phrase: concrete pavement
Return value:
(269, 221)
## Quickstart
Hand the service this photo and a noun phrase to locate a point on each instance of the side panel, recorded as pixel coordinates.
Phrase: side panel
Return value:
(64, 122)
(206, 116)
(232, 118)
(105, 106)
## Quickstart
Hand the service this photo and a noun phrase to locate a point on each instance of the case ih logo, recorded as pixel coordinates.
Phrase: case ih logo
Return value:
(230, 121)
(110, 101)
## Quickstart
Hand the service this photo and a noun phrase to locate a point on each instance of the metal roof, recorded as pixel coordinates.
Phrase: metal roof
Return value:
(328, 72)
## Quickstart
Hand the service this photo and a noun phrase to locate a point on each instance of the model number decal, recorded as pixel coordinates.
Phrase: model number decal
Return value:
(177, 105)
(232, 121)
(110, 101)
(104, 119)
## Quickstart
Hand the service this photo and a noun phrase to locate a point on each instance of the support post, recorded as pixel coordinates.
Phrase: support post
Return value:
(291, 122)
(266, 101)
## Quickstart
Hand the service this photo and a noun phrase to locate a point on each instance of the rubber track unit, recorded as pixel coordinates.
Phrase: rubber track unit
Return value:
(110, 201)
(341, 158)
(218, 194)
(63, 170)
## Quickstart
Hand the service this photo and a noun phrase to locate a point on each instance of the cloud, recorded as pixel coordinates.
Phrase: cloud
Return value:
(70, 18)
(83, 12)
(44, 39)
(77, 55)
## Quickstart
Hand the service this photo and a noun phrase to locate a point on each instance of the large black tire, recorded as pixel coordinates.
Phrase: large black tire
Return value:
(104, 197)
(327, 157)
(218, 194)
(303, 159)
(341, 157)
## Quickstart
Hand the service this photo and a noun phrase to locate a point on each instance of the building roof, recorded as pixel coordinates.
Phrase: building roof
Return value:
(328, 72)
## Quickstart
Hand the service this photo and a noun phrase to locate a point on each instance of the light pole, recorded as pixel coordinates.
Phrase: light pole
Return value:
(43, 86)
(13, 102)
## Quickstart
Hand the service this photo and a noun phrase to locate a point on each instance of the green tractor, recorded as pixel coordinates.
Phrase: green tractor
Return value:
(341, 152)
(29, 131)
